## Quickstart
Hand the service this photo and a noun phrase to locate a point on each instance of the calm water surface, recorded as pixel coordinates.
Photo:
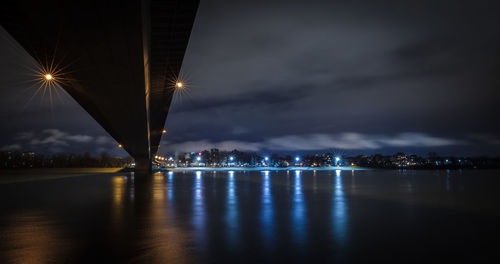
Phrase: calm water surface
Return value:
(254, 217)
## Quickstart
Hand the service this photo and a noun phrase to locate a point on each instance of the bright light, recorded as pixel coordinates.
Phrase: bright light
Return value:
(231, 158)
(198, 158)
(120, 146)
(179, 85)
(164, 131)
(48, 76)
(337, 159)
(266, 158)
(297, 158)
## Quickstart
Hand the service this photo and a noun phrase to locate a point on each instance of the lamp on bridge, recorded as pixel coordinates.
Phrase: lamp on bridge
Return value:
(48, 76)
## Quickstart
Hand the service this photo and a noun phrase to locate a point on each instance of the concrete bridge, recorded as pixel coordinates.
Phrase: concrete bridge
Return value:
(119, 60)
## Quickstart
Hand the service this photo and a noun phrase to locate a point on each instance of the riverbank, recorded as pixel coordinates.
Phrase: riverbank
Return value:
(259, 168)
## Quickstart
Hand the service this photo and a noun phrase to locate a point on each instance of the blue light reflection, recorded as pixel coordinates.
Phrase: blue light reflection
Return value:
(170, 187)
(267, 211)
(298, 211)
(339, 209)
(198, 207)
(232, 209)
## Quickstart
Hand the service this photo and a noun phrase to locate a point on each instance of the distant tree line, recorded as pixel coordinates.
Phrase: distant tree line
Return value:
(33, 160)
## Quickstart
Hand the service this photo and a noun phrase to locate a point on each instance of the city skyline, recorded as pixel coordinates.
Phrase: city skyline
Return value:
(227, 160)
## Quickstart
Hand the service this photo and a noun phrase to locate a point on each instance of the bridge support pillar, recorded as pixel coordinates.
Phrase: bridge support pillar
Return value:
(142, 165)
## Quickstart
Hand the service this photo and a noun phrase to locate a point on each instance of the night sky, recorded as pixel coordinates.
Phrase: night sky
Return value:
(310, 76)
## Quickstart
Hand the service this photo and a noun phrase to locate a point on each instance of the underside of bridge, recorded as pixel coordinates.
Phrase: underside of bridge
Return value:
(119, 60)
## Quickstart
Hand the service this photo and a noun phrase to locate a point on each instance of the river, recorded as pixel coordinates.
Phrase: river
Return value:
(286, 216)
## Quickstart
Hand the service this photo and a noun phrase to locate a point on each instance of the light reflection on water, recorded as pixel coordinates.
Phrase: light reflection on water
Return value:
(198, 217)
(155, 236)
(235, 217)
(170, 186)
(32, 238)
(118, 184)
(298, 210)
(232, 210)
(267, 213)
(339, 209)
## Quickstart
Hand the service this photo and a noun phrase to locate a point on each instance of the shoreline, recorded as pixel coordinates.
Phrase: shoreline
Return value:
(260, 169)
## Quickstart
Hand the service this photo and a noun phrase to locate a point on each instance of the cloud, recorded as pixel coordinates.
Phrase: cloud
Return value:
(418, 140)
(310, 142)
(322, 141)
(239, 130)
(356, 141)
(57, 140)
(488, 139)
(52, 137)
(105, 140)
(252, 98)
(11, 147)
(193, 146)
(24, 135)
(80, 138)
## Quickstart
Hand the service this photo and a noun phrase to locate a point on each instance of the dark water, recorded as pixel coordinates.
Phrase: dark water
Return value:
(254, 217)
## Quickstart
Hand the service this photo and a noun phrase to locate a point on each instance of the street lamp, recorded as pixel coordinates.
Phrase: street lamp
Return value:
(198, 158)
(297, 159)
(231, 158)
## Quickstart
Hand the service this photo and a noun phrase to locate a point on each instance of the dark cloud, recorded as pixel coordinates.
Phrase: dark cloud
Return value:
(55, 140)
(254, 99)
(373, 67)
(316, 142)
